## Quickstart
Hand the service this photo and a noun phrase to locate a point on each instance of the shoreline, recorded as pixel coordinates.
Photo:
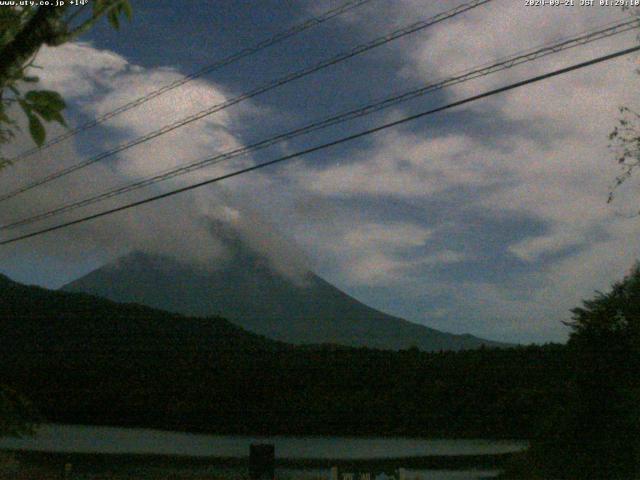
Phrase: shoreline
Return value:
(283, 434)
(453, 462)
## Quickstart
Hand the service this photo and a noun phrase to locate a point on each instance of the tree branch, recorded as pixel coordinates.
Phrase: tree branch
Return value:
(86, 25)
(43, 27)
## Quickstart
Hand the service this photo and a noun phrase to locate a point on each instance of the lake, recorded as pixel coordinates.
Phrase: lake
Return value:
(108, 440)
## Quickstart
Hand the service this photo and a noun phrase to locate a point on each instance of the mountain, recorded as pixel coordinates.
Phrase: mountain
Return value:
(250, 294)
(85, 360)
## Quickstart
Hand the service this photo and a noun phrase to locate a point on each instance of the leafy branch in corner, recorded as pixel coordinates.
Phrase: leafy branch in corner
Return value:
(23, 31)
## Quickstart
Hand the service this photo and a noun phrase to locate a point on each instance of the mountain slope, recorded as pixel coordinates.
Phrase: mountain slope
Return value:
(85, 360)
(40, 320)
(251, 295)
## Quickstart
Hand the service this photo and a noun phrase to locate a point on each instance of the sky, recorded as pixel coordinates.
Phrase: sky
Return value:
(490, 218)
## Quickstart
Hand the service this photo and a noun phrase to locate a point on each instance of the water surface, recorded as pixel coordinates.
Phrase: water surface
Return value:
(88, 439)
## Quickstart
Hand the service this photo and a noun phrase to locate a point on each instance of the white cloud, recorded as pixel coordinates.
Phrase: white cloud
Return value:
(368, 252)
(372, 253)
(498, 30)
(76, 70)
(551, 163)
(406, 165)
(376, 235)
(532, 248)
(95, 81)
(112, 82)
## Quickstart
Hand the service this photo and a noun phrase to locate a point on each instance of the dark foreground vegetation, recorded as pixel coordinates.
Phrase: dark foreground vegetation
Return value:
(81, 359)
(593, 431)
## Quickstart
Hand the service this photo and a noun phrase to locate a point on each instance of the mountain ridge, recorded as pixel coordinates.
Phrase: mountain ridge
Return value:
(81, 359)
(253, 296)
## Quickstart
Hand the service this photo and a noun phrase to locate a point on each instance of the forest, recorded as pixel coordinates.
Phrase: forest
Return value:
(84, 360)
(81, 359)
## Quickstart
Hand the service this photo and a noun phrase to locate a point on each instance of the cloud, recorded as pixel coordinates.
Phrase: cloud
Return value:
(111, 82)
(492, 220)
(375, 235)
(406, 164)
(544, 160)
(195, 227)
(532, 248)
(371, 250)
(500, 29)
(358, 252)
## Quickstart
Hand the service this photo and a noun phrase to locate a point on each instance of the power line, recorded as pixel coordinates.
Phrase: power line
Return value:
(415, 27)
(519, 58)
(323, 146)
(234, 57)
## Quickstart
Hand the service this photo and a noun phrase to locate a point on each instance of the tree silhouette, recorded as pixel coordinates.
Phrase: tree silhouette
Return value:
(595, 431)
(24, 29)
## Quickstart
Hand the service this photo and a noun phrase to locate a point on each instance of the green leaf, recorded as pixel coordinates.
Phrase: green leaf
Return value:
(4, 118)
(44, 111)
(98, 5)
(36, 129)
(46, 103)
(126, 8)
(114, 19)
(25, 106)
(48, 99)
(30, 79)
(57, 117)
(49, 115)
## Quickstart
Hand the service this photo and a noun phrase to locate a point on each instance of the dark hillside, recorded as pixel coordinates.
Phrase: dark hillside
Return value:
(251, 295)
(82, 359)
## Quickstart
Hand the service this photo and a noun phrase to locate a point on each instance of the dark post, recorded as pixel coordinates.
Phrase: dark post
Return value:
(262, 459)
